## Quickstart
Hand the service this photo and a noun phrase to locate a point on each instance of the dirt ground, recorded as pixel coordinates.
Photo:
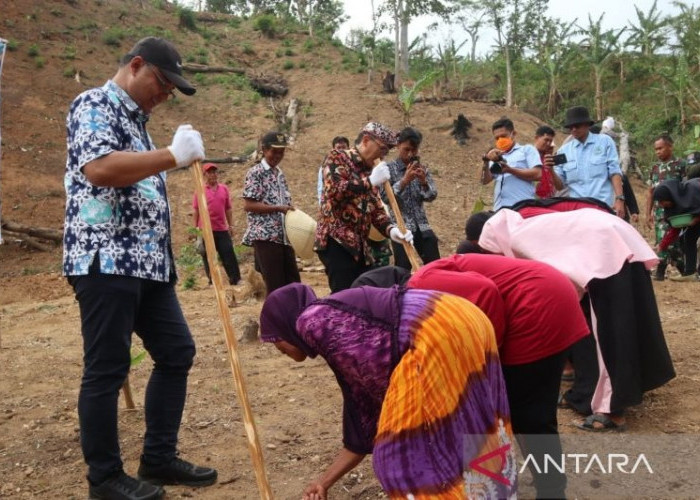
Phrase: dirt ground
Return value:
(297, 406)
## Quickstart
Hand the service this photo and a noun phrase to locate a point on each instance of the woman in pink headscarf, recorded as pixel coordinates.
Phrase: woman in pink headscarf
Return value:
(609, 260)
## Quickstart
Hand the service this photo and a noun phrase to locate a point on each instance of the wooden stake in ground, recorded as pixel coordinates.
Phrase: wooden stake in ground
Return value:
(231, 342)
(126, 390)
(410, 250)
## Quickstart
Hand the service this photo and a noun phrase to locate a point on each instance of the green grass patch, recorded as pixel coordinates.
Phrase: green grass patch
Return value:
(113, 37)
(250, 148)
(69, 52)
(186, 18)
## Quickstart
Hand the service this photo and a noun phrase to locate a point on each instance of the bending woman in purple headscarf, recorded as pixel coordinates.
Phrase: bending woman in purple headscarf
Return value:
(421, 381)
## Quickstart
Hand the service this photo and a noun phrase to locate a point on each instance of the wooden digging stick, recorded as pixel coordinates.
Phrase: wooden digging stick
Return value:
(231, 342)
(126, 390)
(410, 250)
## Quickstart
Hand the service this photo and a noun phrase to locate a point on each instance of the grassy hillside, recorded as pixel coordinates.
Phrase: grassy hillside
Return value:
(60, 48)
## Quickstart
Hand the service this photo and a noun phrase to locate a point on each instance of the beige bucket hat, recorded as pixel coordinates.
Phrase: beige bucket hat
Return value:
(301, 232)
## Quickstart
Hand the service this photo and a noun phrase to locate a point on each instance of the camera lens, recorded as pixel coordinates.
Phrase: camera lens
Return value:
(495, 168)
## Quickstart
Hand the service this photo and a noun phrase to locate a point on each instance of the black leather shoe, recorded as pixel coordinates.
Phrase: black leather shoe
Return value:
(123, 487)
(177, 471)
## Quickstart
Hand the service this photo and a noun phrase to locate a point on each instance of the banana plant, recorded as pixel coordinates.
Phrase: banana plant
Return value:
(408, 93)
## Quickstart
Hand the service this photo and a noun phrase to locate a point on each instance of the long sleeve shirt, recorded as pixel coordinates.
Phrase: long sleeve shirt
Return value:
(411, 197)
(590, 166)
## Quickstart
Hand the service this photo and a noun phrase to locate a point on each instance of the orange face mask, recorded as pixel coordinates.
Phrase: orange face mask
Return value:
(504, 144)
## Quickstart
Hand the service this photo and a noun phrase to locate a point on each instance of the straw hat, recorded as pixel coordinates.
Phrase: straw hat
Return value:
(375, 235)
(301, 232)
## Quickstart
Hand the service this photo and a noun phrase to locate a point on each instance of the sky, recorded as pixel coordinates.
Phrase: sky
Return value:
(618, 13)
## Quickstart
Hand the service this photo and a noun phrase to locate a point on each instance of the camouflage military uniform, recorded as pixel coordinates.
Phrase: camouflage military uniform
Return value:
(662, 171)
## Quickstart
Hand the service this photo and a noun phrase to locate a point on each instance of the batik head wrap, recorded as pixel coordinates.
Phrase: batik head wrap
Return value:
(280, 312)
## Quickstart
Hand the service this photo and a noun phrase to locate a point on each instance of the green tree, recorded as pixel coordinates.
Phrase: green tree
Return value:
(515, 22)
(472, 19)
(407, 94)
(677, 78)
(318, 15)
(554, 55)
(223, 6)
(686, 27)
(651, 32)
(448, 58)
(401, 13)
(242, 7)
(597, 49)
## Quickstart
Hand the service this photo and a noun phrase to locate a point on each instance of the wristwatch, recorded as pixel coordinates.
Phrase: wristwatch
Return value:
(620, 197)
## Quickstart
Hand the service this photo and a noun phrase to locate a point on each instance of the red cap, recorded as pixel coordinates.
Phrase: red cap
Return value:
(208, 166)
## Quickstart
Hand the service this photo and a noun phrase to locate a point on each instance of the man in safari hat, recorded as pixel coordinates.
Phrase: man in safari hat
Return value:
(118, 257)
(592, 168)
(266, 199)
(350, 205)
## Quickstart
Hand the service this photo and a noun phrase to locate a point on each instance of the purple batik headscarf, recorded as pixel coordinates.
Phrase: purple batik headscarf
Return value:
(283, 307)
(279, 314)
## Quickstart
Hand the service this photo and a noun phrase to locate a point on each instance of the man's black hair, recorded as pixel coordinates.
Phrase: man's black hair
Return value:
(666, 138)
(340, 138)
(544, 130)
(475, 224)
(503, 122)
(411, 135)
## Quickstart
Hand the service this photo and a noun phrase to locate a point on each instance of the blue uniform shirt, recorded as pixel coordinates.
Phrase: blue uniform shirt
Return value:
(509, 189)
(589, 167)
(128, 227)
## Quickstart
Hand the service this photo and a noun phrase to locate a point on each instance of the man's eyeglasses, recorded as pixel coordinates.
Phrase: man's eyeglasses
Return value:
(165, 85)
(383, 148)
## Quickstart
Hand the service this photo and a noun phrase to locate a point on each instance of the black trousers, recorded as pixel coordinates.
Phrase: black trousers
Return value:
(630, 339)
(689, 242)
(277, 263)
(584, 357)
(224, 247)
(341, 268)
(533, 391)
(111, 308)
(426, 244)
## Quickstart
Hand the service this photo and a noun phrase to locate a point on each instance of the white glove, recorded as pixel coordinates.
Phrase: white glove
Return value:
(396, 236)
(380, 174)
(187, 146)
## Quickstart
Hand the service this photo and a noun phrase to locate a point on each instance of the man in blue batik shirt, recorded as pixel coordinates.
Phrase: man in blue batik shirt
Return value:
(592, 168)
(513, 167)
(118, 258)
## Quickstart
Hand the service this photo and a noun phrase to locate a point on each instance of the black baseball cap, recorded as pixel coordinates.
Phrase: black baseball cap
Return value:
(162, 54)
(274, 140)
